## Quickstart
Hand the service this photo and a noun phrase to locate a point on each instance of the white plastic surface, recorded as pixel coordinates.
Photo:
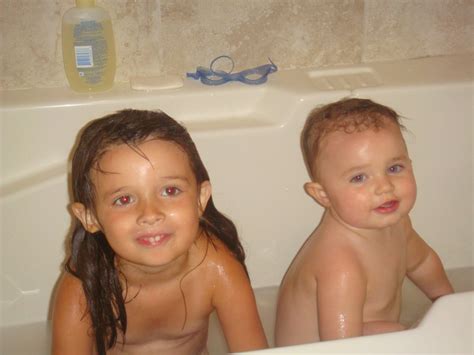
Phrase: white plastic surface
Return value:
(248, 138)
(156, 82)
(447, 328)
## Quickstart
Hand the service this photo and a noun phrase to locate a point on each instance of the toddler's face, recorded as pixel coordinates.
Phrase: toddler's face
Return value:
(367, 176)
(148, 208)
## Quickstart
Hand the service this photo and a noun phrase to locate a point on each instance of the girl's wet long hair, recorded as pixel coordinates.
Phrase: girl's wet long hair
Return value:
(92, 260)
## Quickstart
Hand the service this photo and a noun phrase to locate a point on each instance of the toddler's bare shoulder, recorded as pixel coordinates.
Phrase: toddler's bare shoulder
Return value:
(405, 228)
(334, 259)
(332, 249)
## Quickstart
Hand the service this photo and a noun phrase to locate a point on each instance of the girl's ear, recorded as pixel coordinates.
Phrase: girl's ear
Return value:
(317, 192)
(204, 195)
(87, 218)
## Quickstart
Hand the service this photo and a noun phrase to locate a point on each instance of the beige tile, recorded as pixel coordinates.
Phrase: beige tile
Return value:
(137, 29)
(30, 44)
(292, 33)
(176, 36)
(417, 28)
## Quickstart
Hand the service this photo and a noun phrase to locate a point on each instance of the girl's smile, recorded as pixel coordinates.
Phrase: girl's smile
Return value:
(153, 239)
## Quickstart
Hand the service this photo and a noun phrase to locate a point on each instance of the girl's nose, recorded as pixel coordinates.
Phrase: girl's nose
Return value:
(150, 212)
(384, 185)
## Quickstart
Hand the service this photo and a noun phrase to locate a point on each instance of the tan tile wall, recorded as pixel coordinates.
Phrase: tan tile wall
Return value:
(175, 36)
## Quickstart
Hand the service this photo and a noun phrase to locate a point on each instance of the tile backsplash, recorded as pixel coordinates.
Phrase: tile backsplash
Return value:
(175, 36)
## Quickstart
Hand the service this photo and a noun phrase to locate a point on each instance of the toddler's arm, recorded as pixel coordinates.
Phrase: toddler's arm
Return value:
(236, 308)
(425, 268)
(71, 325)
(341, 292)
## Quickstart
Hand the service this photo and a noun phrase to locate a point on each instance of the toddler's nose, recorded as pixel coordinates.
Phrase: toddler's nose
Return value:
(384, 185)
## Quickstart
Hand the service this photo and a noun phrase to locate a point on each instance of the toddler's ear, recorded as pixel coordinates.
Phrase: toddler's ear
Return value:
(87, 218)
(316, 191)
(204, 195)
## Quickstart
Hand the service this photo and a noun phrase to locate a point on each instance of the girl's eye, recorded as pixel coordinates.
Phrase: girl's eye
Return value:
(123, 200)
(358, 178)
(395, 169)
(171, 191)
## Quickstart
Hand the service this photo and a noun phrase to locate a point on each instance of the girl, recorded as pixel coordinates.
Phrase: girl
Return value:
(151, 256)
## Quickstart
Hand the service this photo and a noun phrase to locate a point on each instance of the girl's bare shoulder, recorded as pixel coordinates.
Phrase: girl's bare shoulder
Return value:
(69, 298)
(219, 259)
(71, 322)
(70, 288)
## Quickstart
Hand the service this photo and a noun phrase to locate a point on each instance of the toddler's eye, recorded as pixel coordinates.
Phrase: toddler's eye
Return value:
(170, 191)
(358, 178)
(395, 169)
(123, 200)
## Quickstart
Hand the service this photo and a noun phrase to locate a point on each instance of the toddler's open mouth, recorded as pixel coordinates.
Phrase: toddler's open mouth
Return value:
(388, 206)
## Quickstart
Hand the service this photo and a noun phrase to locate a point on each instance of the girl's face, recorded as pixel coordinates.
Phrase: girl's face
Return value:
(365, 178)
(147, 203)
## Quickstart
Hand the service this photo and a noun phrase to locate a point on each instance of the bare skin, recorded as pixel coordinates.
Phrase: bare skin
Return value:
(156, 314)
(346, 279)
(175, 275)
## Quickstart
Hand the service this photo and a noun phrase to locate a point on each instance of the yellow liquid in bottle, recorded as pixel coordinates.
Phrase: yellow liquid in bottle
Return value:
(89, 59)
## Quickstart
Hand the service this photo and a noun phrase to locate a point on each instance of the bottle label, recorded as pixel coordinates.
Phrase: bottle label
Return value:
(84, 57)
(90, 47)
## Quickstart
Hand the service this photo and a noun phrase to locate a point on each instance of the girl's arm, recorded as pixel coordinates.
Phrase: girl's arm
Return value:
(425, 268)
(234, 301)
(71, 323)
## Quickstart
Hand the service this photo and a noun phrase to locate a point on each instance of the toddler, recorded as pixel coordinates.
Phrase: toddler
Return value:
(346, 279)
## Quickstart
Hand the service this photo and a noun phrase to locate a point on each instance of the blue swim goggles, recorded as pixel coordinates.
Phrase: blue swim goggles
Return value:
(254, 76)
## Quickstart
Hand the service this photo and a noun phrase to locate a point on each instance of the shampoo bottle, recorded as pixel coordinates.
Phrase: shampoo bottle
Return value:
(88, 47)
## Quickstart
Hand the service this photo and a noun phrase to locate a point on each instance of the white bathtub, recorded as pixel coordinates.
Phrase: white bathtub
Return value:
(248, 137)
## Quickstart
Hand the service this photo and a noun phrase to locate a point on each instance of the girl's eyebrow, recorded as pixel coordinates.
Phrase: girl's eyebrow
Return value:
(115, 191)
(175, 177)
